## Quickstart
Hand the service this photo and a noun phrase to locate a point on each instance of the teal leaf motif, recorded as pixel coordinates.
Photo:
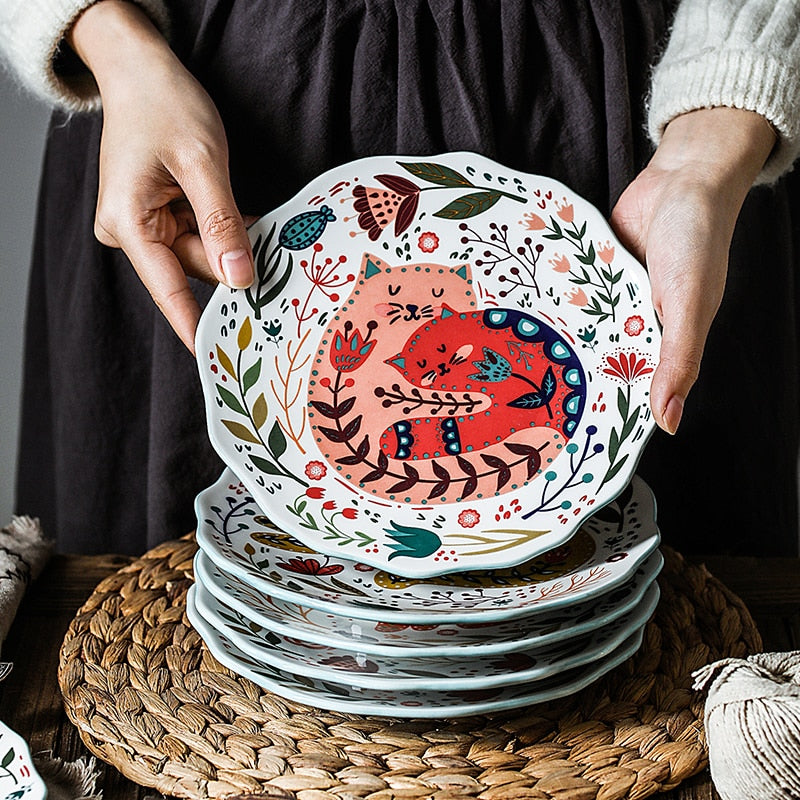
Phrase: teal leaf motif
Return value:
(412, 542)
(304, 229)
(494, 368)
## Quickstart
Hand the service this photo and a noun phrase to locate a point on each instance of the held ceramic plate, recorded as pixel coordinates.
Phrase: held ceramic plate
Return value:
(408, 671)
(443, 365)
(602, 555)
(18, 776)
(416, 704)
(422, 641)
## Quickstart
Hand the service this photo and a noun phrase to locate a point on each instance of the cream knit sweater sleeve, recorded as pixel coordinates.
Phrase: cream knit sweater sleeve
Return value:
(739, 53)
(32, 39)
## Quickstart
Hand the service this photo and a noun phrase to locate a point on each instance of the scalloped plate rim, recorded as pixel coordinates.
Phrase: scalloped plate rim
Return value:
(382, 614)
(653, 564)
(627, 649)
(640, 615)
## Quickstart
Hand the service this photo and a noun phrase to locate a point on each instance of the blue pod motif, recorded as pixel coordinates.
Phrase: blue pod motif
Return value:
(304, 229)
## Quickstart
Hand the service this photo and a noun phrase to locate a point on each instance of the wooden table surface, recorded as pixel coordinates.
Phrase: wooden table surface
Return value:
(30, 700)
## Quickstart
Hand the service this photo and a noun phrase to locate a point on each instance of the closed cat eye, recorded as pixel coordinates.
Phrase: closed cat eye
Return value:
(442, 348)
(422, 364)
(394, 290)
(438, 293)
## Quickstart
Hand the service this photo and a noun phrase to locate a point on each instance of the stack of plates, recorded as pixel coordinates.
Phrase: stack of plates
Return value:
(431, 404)
(343, 635)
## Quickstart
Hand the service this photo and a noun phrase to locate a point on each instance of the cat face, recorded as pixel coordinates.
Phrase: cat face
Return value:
(439, 356)
(412, 293)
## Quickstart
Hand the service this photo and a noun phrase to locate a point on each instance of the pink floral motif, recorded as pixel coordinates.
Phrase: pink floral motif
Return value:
(566, 210)
(606, 253)
(316, 470)
(633, 325)
(428, 242)
(560, 263)
(469, 518)
(627, 368)
(576, 297)
(534, 222)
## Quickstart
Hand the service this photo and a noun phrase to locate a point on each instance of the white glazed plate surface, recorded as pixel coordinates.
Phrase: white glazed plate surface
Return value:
(18, 777)
(443, 365)
(605, 553)
(444, 639)
(408, 671)
(402, 704)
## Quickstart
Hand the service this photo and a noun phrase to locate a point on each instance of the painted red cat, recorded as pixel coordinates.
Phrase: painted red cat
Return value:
(349, 409)
(529, 373)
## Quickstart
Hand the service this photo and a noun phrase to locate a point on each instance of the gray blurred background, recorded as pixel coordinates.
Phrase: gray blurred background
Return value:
(23, 124)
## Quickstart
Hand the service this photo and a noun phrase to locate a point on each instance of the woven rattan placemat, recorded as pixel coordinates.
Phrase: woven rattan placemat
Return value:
(149, 698)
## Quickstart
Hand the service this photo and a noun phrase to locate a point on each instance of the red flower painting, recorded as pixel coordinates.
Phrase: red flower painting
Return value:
(309, 566)
(627, 368)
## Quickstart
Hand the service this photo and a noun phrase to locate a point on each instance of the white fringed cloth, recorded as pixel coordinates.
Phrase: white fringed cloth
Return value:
(23, 553)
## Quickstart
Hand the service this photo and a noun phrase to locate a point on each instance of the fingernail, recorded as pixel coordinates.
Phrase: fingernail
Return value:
(673, 413)
(237, 269)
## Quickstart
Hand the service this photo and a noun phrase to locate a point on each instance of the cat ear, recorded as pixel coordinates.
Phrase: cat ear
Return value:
(464, 271)
(370, 265)
(447, 311)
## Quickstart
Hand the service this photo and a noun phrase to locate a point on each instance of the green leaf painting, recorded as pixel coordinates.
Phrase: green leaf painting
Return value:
(437, 173)
(469, 205)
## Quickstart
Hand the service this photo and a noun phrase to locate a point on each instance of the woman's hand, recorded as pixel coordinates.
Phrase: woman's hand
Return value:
(678, 217)
(164, 196)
